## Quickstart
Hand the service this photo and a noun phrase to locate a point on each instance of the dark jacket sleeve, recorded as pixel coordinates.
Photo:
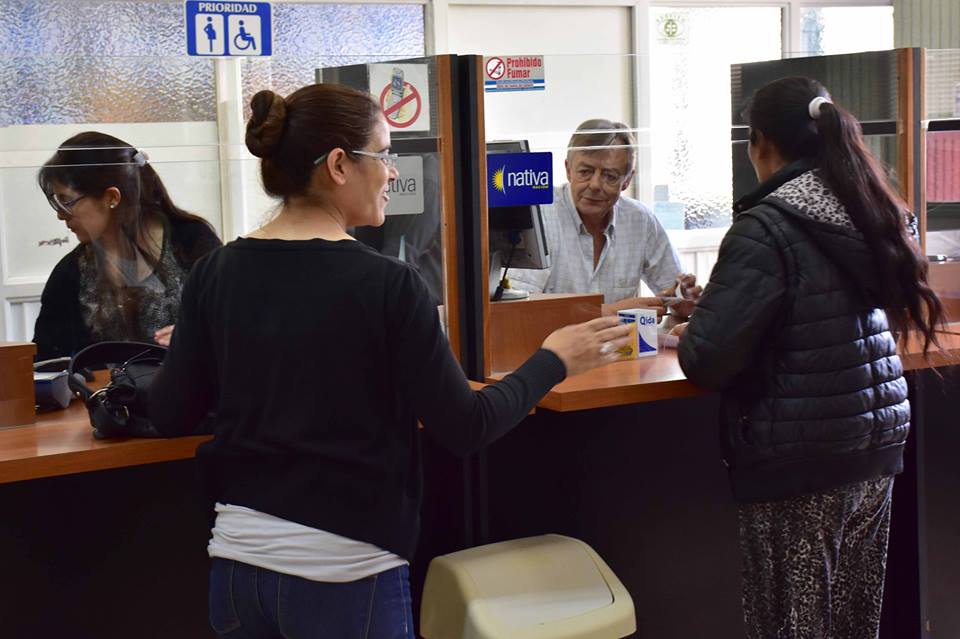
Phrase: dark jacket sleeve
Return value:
(739, 304)
(185, 388)
(59, 330)
(461, 419)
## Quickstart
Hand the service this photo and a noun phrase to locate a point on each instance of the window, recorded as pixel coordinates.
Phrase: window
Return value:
(690, 112)
(691, 49)
(834, 30)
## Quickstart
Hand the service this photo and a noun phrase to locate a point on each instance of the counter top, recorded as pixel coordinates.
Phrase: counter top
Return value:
(62, 443)
(648, 379)
(651, 379)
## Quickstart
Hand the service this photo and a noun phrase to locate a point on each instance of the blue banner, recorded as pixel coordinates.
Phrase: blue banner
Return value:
(229, 28)
(518, 179)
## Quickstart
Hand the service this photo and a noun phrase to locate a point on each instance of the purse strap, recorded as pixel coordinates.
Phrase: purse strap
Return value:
(102, 353)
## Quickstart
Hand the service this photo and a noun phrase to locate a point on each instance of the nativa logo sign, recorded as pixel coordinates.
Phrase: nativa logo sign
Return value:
(503, 180)
(518, 179)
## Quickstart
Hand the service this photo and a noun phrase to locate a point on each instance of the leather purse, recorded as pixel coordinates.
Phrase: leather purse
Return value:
(119, 409)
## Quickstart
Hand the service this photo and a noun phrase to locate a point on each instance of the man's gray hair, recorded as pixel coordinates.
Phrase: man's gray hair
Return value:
(599, 135)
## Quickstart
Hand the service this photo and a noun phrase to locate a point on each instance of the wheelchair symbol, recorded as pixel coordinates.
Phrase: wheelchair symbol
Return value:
(244, 40)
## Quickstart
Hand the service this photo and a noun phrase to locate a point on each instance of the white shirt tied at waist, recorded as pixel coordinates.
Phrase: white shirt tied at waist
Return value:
(636, 248)
(265, 541)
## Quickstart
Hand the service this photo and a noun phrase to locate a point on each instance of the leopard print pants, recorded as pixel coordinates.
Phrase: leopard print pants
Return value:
(813, 565)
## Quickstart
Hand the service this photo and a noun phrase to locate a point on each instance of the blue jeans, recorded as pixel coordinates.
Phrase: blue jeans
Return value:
(247, 602)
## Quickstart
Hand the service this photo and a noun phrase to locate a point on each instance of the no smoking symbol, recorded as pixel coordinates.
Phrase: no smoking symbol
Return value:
(495, 68)
(397, 116)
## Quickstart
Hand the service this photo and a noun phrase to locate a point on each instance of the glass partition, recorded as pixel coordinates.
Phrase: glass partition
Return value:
(309, 36)
(576, 88)
(942, 79)
(195, 148)
(663, 161)
(866, 84)
(410, 91)
(68, 71)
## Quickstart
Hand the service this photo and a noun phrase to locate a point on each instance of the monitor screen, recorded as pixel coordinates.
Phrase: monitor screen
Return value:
(516, 230)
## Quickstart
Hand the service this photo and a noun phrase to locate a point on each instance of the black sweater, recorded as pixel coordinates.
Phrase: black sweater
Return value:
(318, 358)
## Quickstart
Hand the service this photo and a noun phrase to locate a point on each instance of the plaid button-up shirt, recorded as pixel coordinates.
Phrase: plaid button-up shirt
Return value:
(636, 248)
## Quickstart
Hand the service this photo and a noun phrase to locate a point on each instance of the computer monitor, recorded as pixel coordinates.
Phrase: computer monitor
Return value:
(516, 235)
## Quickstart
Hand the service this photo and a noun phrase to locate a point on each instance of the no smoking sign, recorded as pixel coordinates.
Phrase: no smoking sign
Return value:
(403, 93)
(495, 68)
(513, 73)
(404, 112)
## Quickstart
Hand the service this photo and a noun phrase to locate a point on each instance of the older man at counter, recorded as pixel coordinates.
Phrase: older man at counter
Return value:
(600, 240)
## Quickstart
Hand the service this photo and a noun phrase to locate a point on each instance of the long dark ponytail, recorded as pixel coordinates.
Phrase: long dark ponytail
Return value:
(827, 135)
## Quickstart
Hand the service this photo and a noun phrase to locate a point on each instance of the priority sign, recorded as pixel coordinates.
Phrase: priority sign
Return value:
(229, 28)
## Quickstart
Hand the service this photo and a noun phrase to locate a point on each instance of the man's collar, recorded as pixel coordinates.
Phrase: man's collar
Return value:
(609, 230)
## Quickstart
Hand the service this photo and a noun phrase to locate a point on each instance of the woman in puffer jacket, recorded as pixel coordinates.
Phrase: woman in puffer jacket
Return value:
(816, 279)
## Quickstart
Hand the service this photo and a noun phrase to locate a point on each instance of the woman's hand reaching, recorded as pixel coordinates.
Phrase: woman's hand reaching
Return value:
(588, 345)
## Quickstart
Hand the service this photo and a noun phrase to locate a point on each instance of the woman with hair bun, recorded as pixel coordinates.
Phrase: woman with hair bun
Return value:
(318, 356)
(815, 282)
(136, 247)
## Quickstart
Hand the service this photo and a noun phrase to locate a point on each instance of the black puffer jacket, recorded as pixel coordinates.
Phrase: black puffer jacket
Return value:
(814, 394)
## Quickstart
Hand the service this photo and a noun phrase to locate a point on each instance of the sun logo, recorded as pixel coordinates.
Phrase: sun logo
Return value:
(498, 180)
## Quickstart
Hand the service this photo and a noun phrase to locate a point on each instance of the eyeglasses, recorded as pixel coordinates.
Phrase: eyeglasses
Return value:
(388, 159)
(62, 205)
(610, 178)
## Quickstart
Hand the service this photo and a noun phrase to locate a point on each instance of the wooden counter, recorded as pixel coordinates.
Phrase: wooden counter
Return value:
(62, 443)
(948, 355)
(518, 327)
(16, 383)
(649, 379)
(652, 379)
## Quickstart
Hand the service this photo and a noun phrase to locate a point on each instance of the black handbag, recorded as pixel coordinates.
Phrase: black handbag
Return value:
(119, 409)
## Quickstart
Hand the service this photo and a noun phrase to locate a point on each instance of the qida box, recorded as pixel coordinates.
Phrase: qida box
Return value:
(644, 334)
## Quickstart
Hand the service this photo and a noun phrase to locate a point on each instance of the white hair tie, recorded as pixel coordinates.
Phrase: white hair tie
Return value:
(814, 107)
(140, 158)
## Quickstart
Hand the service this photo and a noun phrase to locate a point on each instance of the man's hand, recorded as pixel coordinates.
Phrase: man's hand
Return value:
(682, 297)
(679, 329)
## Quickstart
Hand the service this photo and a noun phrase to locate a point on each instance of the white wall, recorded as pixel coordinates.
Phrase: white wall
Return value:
(597, 81)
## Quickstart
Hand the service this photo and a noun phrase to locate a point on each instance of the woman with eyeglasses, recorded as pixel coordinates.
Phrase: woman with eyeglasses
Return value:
(318, 356)
(136, 247)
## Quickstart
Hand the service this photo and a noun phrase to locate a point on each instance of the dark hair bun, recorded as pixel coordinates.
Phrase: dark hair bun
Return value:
(265, 128)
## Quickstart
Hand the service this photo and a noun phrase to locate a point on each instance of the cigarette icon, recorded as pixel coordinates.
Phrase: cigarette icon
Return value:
(396, 91)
